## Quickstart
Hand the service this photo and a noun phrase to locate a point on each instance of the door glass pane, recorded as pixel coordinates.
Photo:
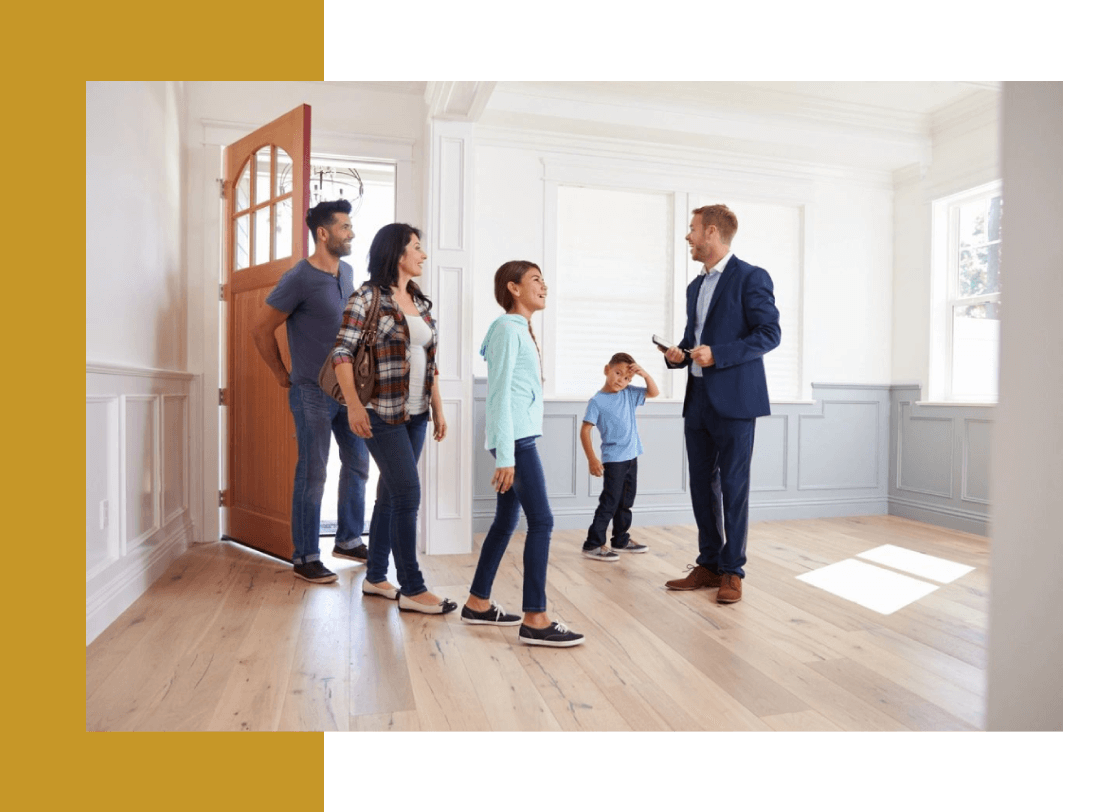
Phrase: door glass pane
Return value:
(284, 229)
(263, 235)
(263, 175)
(242, 243)
(244, 188)
(284, 173)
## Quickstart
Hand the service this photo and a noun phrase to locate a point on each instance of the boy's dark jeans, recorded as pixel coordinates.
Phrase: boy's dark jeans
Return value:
(620, 483)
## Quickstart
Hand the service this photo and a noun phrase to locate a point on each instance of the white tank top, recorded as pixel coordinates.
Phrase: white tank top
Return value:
(420, 335)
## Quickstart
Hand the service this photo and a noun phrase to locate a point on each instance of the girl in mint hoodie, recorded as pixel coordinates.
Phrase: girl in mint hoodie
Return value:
(513, 422)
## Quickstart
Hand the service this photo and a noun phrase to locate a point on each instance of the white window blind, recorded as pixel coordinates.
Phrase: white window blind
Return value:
(612, 285)
(770, 236)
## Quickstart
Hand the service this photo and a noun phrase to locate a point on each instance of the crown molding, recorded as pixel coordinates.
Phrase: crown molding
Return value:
(595, 150)
(460, 101)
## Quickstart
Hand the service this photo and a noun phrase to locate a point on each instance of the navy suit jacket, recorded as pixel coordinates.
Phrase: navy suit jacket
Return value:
(741, 325)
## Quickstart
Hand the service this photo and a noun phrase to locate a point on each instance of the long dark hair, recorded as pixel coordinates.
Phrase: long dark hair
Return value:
(385, 253)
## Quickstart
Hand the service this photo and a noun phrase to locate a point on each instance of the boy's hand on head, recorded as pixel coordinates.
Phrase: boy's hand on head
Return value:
(595, 468)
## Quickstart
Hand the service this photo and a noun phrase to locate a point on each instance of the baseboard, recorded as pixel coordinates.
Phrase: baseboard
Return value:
(952, 518)
(133, 576)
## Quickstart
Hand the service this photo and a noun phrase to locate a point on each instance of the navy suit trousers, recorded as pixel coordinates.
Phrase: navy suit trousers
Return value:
(719, 453)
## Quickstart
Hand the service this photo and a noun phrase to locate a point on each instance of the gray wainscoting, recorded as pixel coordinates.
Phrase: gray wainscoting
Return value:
(940, 458)
(832, 457)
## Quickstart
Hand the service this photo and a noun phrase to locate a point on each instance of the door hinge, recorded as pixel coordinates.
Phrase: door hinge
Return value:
(223, 497)
(223, 396)
(222, 292)
(222, 187)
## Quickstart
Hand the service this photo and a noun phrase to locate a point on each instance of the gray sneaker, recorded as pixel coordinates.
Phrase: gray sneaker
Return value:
(601, 553)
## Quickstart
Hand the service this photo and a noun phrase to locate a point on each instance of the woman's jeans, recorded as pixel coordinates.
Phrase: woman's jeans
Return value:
(396, 451)
(529, 492)
(317, 417)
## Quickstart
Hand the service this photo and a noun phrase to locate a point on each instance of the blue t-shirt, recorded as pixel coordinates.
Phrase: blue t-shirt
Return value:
(315, 301)
(613, 415)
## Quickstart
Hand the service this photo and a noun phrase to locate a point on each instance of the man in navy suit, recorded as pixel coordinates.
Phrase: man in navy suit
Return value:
(731, 322)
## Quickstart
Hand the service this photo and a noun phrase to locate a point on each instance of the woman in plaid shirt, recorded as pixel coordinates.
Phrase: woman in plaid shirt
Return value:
(395, 420)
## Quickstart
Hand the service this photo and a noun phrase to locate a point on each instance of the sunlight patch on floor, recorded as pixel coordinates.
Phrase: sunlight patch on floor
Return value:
(877, 589)
(919, 564)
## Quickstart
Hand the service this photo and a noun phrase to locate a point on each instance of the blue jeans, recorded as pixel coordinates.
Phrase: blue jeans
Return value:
(529, 492)
(719, 451)
(317, 418)
(620, 484)
(396, 451)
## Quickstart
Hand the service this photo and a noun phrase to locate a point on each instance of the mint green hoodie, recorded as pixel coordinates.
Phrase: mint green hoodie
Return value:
(513, 407)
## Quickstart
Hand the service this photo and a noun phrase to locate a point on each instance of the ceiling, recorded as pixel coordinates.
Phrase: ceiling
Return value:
(880, 126)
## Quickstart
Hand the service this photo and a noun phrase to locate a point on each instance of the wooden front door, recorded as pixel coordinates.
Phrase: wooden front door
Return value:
(266, 194)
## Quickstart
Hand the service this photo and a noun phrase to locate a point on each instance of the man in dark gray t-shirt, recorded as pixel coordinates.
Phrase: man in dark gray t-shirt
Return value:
(310, 299)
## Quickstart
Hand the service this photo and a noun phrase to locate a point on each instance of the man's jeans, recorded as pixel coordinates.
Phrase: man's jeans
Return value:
(317, 417)
(529, 492)
(396, 451)
(620, 484)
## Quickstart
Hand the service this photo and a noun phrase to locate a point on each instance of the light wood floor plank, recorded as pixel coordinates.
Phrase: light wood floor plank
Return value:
(227, 639)
(804, 721)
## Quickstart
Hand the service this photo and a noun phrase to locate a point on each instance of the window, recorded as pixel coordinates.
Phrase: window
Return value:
(612, 287)
(621, 272)
(966, 328)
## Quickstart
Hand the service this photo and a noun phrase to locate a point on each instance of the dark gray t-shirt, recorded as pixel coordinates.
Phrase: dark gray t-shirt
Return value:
(315, 301)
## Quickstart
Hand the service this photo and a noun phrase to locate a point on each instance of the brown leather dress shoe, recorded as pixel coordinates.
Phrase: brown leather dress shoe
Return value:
(698, 578)
(729, 589)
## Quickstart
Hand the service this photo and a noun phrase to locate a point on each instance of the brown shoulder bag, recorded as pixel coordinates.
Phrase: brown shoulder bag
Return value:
(364, 367)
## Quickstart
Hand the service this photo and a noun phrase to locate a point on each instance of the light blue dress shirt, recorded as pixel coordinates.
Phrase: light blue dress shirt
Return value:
(702, 304)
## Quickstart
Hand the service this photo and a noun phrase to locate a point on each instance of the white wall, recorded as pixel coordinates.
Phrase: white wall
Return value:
(1025, 635)
(135, 306)
(965, 154)
(139, 409)
(848, 269)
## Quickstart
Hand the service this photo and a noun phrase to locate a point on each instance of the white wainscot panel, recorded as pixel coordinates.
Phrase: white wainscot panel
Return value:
(175, 469)
(139, 434)
(140, 469)
(449, 320)
(451, 484)
(101, 482)
(452, 199)
(839, 449)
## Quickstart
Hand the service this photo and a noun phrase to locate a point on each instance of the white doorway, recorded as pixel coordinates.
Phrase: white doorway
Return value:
(370, 187)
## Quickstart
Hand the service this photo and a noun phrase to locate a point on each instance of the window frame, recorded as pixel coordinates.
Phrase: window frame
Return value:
(945, 292)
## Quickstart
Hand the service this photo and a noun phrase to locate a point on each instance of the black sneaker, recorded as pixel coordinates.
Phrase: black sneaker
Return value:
(493, 616)
(315, 572)
(555, 635)
(354, 554)
(600, 553)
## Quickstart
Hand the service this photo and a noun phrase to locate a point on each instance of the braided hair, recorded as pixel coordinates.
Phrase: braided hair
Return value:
(514, 271)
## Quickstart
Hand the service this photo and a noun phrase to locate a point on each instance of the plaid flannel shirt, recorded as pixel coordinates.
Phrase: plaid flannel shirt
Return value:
(391, 350)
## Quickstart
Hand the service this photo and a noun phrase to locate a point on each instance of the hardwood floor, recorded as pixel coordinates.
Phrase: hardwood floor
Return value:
(228, 639)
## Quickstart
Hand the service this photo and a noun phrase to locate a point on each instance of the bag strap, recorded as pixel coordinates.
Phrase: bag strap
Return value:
(370, 323)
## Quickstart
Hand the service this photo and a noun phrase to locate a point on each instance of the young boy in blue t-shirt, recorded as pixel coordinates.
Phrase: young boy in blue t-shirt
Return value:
(612, 412)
